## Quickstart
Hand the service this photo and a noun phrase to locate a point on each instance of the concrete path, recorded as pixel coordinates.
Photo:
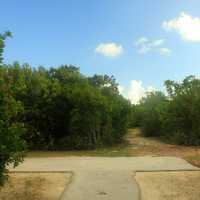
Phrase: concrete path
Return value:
(102, 185)
(100, 178)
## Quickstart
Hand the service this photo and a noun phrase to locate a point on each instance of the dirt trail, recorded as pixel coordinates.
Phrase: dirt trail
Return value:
(152, 146)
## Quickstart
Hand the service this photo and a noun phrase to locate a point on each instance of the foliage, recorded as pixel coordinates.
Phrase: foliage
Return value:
(182, 115)
(150, 109)
(2, 44)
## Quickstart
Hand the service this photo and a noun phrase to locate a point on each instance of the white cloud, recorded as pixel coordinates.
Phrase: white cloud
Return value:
(136, 91)
(109, 49)
(121, 89)
(144, 49)
(145, 45)
(186, 26)
(165, 51)
(150, 89)
(157, 43)
(141, 40)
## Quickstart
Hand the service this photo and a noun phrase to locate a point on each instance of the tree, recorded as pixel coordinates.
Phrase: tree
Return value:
(182, 116)
(151, 109)
(2, 43)
(175, 117)
(11, 144)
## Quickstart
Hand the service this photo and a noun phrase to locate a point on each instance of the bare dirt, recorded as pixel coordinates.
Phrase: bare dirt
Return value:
(151, 146)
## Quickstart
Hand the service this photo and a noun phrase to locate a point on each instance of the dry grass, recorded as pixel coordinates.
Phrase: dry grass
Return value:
(34, 186)
(169, 185)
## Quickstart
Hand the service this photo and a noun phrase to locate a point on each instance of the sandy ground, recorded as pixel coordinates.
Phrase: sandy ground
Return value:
(35, 186)
(169, 185)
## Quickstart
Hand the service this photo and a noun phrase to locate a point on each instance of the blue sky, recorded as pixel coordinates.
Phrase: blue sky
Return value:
(142, 43)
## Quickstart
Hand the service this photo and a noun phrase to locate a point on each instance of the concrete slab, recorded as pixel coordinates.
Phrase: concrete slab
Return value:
(104, 163)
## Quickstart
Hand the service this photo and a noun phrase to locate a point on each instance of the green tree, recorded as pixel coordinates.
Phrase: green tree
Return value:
(175, 117)
(182, 116)
(2, 43)
(151, 108)
(11, 144)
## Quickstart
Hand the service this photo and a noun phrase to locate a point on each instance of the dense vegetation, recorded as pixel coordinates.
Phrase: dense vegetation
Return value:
(175, 116)
(63, 109)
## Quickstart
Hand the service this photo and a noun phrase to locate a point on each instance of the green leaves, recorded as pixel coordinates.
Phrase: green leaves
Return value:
(61, 104)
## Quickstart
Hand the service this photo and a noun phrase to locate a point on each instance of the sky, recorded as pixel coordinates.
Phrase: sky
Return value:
(141, 42)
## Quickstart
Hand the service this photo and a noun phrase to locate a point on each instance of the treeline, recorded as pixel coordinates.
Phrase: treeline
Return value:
(175, 116)
(63, 109)
(60, 108)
